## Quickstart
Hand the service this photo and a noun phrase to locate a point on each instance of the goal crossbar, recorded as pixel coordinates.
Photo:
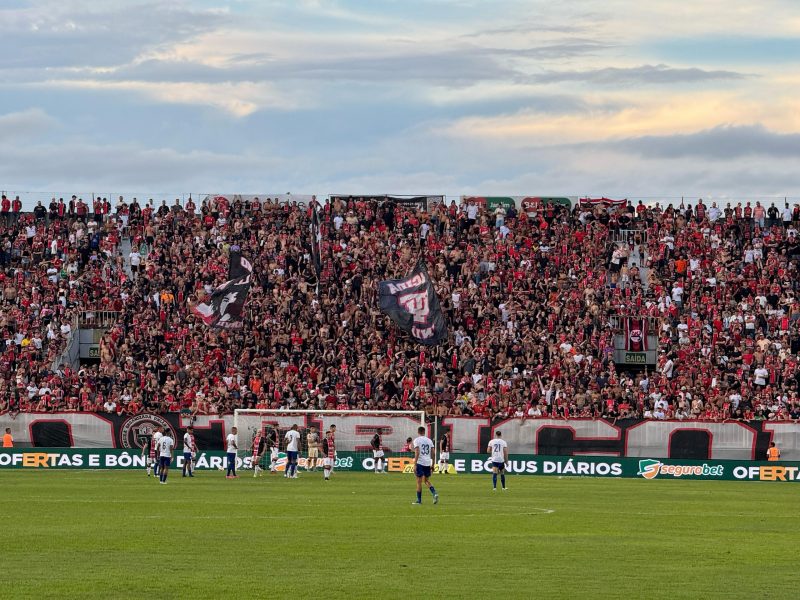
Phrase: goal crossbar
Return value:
(354, 428)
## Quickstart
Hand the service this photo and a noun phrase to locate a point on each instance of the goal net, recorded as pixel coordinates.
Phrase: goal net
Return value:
(354, 432)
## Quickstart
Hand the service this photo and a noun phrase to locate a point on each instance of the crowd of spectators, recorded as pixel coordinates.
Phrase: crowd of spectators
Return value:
(529, 296)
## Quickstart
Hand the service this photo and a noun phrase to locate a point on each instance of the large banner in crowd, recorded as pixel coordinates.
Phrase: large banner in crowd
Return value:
(223, 309)
(414, 307)
(693, 440)
(529, 204)
(418, 202)
(302, 199)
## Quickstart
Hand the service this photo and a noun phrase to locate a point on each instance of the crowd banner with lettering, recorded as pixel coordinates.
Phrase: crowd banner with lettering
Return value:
(562, 466)
(419, 202)
(692, 440)
(302, 199)
(605, 202)
(412, 304)
(529, 204)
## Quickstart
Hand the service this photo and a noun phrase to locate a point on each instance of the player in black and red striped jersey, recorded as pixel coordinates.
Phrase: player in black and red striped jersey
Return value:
(329, 452)
(259, 445)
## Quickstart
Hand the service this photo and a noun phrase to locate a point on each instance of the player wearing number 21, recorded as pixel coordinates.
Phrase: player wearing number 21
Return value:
(499, 451)
(423, 463)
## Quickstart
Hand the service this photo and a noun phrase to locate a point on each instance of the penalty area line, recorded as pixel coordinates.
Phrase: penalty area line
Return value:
(527, 513)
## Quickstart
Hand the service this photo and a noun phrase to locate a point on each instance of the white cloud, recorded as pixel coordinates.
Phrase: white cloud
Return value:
(238, 99)
(25, 124)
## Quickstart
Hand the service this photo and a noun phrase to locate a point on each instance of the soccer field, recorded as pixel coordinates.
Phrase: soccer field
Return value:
(118, 534)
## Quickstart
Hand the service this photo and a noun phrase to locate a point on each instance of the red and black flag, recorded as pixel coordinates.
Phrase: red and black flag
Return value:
(316, 239)
(224, 308)
(412, 304)
(635, 334)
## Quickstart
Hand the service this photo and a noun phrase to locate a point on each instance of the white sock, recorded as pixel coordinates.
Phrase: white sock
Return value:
(327, 473)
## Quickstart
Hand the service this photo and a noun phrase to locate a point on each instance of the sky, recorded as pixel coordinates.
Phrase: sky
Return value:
(500, 97)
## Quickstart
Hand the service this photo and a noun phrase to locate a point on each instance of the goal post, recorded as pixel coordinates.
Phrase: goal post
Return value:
(354, 430)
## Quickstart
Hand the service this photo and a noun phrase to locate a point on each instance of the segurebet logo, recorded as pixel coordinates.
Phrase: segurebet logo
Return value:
(650, 469)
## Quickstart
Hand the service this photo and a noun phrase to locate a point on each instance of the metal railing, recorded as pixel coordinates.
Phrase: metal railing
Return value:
(93, 319)
(617, 323)
(627, 236)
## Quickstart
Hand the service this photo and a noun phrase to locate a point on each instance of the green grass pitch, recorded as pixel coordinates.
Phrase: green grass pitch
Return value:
(118, 534)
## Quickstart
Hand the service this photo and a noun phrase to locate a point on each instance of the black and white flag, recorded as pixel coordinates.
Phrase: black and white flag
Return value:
(412, 304)
(316, 239)
(225, 307)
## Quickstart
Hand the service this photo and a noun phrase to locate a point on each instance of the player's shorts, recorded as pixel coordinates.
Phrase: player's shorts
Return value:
(313, 453)
(187, 457)
(291, 456)
(273, 453)
(500, 466)
(423, 471)
(445, 456)
(377, 453)
(256, 459)
(327, 462)
(164, 461)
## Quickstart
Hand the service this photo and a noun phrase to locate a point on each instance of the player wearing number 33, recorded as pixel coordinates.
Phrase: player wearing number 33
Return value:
(423, 463)
(499, 451)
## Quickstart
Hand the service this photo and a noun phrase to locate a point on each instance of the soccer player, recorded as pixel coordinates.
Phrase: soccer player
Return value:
(499, 451)
(154, 458)
(189, 451)
(423, 461)
(165, 446)
(377, 451)
(233, 448)
(259, 444)
(274, 451)
(329, 450)
(444, 452)
(313, 449)
(292, 439)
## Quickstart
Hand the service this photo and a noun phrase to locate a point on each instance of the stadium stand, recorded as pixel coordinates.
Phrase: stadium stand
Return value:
(532, 298)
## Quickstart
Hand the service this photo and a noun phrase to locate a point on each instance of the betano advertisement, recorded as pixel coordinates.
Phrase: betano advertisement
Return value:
(561, 466)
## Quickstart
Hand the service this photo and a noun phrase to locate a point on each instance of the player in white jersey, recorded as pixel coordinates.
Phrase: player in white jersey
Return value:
(165, 446)
(292, 439)
(499, 451)
(424, 451)
(189, 452)
(154, 458)
(231, 451)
